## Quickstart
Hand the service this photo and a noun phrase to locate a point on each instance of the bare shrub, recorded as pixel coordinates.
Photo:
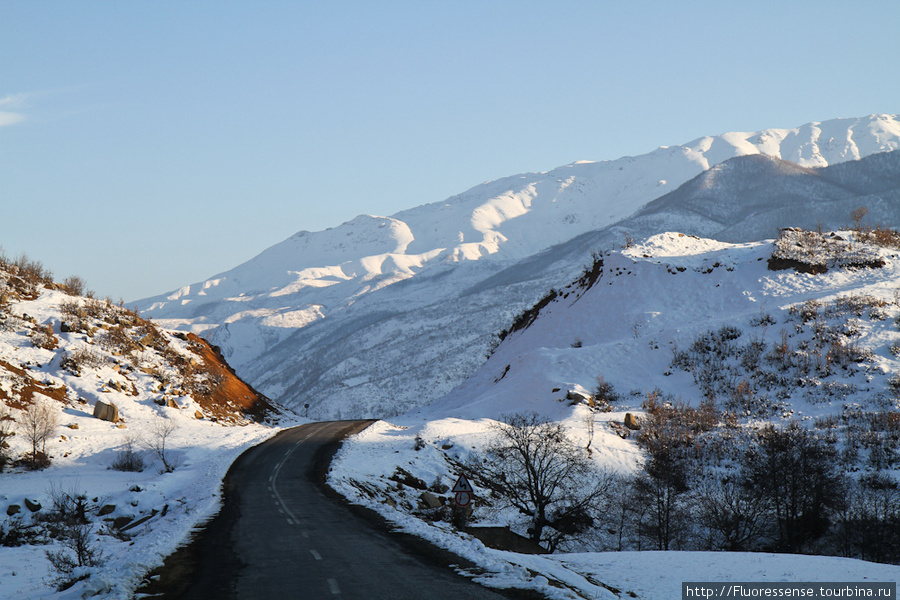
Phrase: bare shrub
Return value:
(734, 518)
(661, 489)
(604, 394)
(74, 317)
(19, 532)
(795, 472)
(156, 438)
(74, 362)
(80, 550)
(31, 271)
(117, 339)
(43, 337)
(74, 285)
(128, 458)
(857, 216)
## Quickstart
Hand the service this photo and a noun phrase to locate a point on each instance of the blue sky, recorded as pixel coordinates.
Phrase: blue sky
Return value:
(149, 145)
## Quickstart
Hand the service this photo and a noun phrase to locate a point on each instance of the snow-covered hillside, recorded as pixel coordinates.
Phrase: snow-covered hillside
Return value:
(384, 313)
(131, 485)
(679, 319)
(749, 198)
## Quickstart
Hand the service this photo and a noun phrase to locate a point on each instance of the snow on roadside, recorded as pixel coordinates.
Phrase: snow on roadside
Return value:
(362, 471)
(192, 493)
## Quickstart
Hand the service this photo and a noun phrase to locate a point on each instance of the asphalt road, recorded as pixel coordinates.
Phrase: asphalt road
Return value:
(282, 535)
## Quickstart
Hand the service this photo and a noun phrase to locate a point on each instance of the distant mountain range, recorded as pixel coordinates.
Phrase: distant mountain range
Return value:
(382, 314)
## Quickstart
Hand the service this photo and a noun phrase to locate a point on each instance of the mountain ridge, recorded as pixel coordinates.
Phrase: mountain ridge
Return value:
(552, 220)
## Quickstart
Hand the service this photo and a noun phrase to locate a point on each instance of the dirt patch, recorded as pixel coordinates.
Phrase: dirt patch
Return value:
(24, 388)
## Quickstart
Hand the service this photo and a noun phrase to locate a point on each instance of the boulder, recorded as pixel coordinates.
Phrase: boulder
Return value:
(631, 422)
(32, 505)
(120, 522)
(198, 414)
(13, 509)
(429, 500)
(106, 411)
(106, 509)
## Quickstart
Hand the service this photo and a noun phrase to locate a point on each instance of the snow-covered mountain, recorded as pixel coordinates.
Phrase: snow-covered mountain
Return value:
(382, 314)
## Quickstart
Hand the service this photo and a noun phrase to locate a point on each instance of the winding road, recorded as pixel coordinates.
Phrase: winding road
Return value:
(281, 534)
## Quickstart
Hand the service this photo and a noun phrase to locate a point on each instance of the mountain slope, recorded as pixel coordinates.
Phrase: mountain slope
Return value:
(132, 485)
(384, 313)
(749, 198)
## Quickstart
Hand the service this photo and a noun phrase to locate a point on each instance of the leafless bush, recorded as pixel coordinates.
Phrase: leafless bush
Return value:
(118, 339)
(156, 439)
(75, 361)
(733, 517)
(858, 215)
(128, 458)
(80, 550)
(43, 337)
(19, 532)
(31, 271)
(74, 285)
(604, 394)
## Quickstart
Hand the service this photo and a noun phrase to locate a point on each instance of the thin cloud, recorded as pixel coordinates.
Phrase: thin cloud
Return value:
(14, 102)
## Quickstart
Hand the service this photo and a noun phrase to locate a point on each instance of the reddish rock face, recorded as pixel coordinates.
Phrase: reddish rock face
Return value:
(227, 397)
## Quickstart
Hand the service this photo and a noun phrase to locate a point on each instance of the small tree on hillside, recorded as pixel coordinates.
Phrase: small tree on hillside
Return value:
(660, 488)
(536, 469)
(158, 434)
(38, 424)
(6, 432)
(858, 215)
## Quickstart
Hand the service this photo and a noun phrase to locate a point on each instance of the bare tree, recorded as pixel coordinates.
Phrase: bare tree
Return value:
(6, 432)
(796, 472)
(858, 215)
(589, 423)
(158, 435)
(536, 469)
(734, 517)
(661, 487)
(38, 424)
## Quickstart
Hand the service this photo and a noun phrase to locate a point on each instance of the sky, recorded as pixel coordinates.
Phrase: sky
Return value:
(147, 145)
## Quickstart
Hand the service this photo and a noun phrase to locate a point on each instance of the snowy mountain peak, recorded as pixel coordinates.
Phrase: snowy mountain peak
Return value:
(356, 278)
